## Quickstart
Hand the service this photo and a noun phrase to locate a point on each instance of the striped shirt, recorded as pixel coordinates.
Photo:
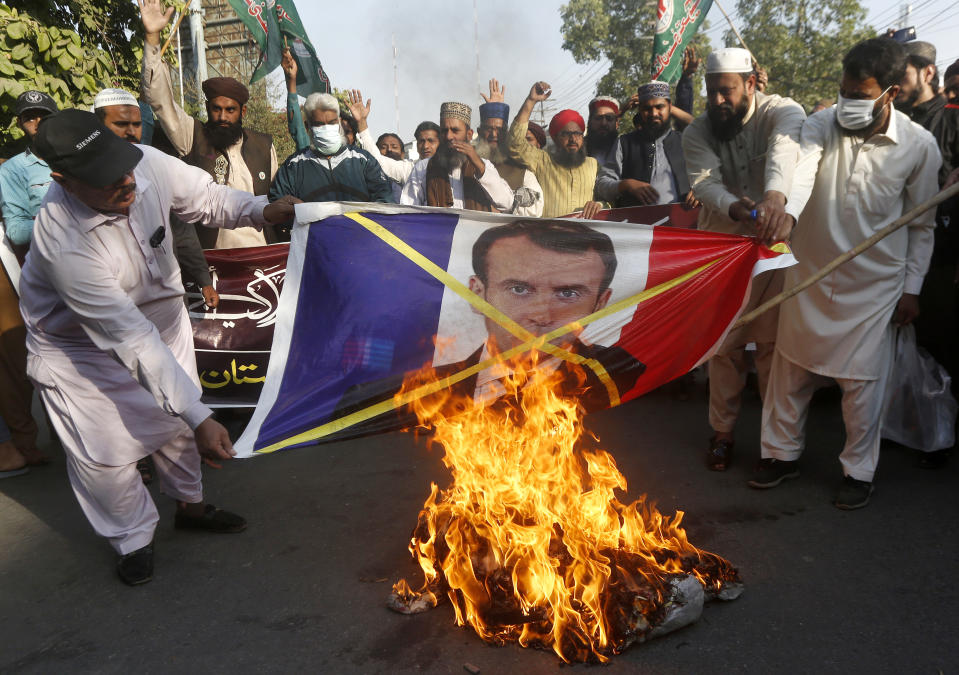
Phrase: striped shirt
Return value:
(565, 189)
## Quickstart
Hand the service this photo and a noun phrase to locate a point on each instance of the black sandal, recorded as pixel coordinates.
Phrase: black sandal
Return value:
(212, 520)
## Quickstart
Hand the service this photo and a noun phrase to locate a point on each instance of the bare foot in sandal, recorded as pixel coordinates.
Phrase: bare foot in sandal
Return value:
(12, 463)
(35, 456)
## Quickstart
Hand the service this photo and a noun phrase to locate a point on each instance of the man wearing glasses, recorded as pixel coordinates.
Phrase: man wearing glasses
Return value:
(566, 173)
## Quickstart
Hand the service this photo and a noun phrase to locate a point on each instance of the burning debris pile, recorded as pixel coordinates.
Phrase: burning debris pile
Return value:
(530, 543)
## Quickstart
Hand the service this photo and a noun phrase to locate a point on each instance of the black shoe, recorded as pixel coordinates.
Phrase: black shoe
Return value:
(934, 460)
(854, 494)
(212, 520)
(771, 472)
(136, 567)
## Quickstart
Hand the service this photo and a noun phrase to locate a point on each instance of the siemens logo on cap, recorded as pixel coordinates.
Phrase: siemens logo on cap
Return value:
(86, 141)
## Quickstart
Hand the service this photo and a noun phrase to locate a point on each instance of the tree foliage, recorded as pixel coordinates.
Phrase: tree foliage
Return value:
(69, 50)
(621, 31)
(260, 116)
(801, 43)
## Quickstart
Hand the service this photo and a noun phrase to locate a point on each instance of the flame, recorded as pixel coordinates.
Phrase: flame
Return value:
(530, 543)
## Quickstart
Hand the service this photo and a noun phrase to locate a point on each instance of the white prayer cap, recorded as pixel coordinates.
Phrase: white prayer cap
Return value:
(114, 97)
(729, 60)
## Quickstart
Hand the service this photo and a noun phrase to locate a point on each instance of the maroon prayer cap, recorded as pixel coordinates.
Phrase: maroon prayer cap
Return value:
(226, 86)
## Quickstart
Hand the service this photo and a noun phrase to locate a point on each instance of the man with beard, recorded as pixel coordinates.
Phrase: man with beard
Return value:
(919, 90)
(648, 166)
(120, 113)
(740, 156)
(456, 176)
(602, 129)
(566, 172)
(397, 169)
(330, 170)
(862, 165)
(491, 145)
(937, 328)
(234, 156)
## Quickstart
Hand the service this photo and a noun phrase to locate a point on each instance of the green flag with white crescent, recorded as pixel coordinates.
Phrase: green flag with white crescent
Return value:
(677, 23)
(276, 24)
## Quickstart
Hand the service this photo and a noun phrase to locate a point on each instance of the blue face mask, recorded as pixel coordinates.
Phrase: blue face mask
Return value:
(327, 138)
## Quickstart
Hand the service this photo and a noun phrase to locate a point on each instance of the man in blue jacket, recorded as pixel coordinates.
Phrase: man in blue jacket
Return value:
(330, 170)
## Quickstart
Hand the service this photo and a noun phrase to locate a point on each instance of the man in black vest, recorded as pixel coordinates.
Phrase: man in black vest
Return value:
(234, 156)
(648, 166)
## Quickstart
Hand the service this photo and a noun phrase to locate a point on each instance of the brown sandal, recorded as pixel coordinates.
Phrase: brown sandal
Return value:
(720, 454)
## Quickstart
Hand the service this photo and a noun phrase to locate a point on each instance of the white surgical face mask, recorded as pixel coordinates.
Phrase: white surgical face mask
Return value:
(326, 137)
(854, 113)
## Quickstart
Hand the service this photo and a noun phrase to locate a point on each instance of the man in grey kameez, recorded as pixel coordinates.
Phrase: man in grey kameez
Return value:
(740, 156)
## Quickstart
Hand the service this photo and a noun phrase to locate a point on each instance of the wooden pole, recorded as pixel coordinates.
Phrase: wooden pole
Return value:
(730, 21)
(176, 27)
(849, 255)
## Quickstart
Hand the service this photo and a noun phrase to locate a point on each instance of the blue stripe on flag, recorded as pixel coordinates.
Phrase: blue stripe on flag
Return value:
(388, 311)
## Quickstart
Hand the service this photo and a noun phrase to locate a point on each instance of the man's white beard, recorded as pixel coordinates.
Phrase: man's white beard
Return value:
(494, 153)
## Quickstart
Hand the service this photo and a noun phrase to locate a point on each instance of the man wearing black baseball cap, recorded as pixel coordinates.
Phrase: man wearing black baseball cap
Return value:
(24, 178)
(109, 340)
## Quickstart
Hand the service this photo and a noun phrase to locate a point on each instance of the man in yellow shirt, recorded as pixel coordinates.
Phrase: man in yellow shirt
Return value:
(566, 174)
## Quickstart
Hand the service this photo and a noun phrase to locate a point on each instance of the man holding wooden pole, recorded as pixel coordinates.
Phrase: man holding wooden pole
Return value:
(862, 165)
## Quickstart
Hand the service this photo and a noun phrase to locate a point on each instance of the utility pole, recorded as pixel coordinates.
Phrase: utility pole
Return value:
(396, 86)
(479, 87)
(179, 63)
(199, 46)
(905, 15)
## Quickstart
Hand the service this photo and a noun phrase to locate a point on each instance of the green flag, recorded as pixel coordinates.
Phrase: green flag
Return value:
(677, 23)
(273, 22)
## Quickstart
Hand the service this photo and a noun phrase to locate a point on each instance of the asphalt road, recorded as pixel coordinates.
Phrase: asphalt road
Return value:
(303, 590)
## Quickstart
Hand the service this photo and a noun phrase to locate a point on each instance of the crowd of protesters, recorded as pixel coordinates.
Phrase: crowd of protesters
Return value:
(98, 327)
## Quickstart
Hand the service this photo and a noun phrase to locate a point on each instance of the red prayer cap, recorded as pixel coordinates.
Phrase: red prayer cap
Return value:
(562, 118)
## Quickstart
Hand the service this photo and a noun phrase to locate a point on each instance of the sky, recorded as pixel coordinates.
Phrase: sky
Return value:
(520, 43)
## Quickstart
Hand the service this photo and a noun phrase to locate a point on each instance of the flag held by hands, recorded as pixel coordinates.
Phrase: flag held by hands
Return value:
(276, 24)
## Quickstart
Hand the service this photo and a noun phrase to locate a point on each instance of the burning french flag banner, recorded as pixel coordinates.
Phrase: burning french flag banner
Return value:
(497, 334)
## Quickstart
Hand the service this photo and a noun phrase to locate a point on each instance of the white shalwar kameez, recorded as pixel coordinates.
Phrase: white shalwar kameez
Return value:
(110, 344)
(845, 190)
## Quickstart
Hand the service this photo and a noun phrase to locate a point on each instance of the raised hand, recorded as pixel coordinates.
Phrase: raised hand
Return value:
(155, 18)
(354, 103)
(289, 65)
(496, 93)
(690, 61)
(539, 92)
